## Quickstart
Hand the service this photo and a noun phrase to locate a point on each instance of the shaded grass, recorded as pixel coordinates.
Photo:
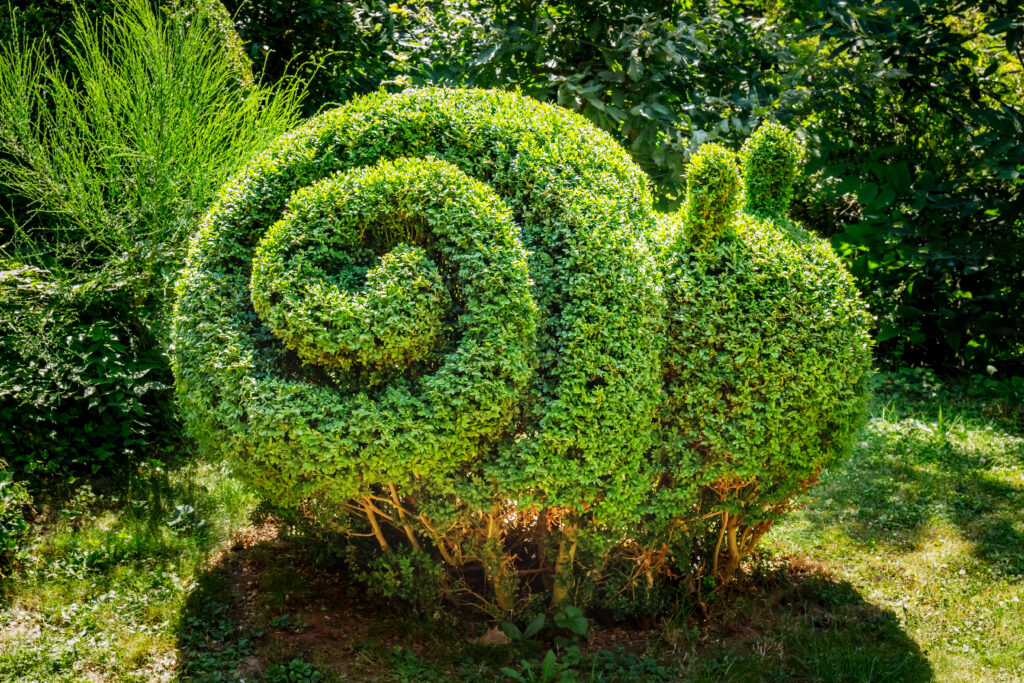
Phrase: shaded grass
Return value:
(907, 564)
(99, 593)
(794, 620)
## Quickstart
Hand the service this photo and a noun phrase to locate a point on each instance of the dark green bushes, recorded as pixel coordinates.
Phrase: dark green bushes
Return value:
(108, 172)
(340, 47)
(80, 387)
(456, 316)
(14, 529)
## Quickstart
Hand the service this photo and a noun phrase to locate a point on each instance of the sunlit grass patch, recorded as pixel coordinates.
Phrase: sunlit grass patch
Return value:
(927, 519)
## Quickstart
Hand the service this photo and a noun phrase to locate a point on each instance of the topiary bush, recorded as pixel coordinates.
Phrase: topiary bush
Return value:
(766, 355)
(456, 317)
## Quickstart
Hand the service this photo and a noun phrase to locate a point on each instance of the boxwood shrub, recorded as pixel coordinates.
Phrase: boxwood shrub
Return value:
(454, 320)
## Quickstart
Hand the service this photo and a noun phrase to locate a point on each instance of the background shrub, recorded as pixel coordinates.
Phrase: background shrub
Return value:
(109, 171)
(80, 387)
(445, 313)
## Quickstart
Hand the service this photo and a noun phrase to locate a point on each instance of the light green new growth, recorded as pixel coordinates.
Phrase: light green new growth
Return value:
(712, 193)
(771, 159)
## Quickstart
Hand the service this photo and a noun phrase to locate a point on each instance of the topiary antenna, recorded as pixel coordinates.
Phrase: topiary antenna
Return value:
(771, 158)
(712, 193)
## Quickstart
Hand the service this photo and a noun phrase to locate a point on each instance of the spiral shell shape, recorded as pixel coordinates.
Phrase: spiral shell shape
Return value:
(415, 283)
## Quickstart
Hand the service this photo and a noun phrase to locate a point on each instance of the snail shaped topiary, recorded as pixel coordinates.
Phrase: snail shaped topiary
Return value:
(455, 320)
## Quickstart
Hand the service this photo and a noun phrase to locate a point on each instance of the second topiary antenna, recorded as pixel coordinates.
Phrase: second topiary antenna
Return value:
(771, 158)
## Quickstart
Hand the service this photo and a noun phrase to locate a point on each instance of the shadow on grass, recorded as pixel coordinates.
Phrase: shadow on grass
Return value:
(264, 609)
(909, 473)
(797, 622)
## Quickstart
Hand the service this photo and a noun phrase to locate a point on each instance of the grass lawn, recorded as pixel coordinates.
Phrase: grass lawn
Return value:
(907, 564)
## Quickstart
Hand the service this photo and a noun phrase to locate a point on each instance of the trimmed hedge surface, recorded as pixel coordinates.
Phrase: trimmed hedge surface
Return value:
(457, 312)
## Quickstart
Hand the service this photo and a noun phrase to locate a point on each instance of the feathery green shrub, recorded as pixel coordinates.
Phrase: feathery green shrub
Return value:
(455, 316)
(113, 140)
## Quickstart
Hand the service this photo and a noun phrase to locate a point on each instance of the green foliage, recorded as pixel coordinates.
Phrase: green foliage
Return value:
(712, 194)
(659, 77)
(38, 19)
(629, 601)
(102, 582)
(571, 618)
(390, 314)
(918, 532)
(109, 171)
(913, 114)
(767, 352)
(771, 158)
(214, 15)
(80, 387)
(338, 48)
(913, 124)
(293, 623)
(211, 642)
(407, 575)
(549, 671)
(765, 365)
(457, 313)
(295, 671)
(121, 162)
(604, 665)
(936, 490)
(526, 635)
(14, 500)
(429, 421)
(45, 20)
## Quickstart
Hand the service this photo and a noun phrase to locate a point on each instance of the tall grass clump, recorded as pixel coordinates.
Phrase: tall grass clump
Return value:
(107, 166)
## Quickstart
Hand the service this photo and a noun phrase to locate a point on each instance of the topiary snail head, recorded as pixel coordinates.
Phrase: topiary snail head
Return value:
(453, 317)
